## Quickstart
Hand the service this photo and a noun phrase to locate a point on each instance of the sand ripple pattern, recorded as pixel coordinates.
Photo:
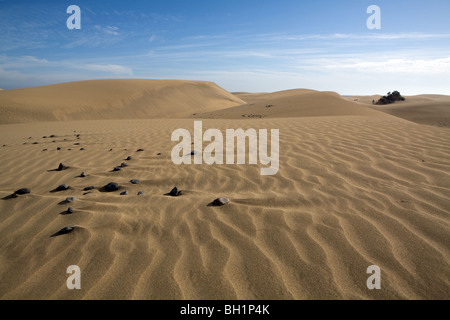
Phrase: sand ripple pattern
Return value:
(351, 192)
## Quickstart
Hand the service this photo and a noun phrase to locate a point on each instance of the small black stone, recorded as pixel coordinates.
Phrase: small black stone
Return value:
(62, 187)
(125, 193)
(23, 191)
(123, 165)
(174, 192)
(61, 167)
(66, 230)
(117, 168)
(89, 188)
(70, 199)
(69, 210)
(128, 158)
(139, 150)
(220, 202)
(112, 186)
(134, 181)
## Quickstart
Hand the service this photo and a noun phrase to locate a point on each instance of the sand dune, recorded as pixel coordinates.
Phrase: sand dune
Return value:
(351, 192)
(291, 103)
(425, 109)
(113, 99)
(356, 187)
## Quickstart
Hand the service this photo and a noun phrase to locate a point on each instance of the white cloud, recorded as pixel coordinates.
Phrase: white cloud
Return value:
(21, 62)
(396, 65)
(353, 36)
(109, 68)
(111, 30)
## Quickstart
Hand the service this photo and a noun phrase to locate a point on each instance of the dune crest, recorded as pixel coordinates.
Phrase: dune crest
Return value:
(291, 103)
(113, 99)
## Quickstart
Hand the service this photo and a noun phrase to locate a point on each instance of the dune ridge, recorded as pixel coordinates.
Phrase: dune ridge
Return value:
(291, 103)
(113, 99)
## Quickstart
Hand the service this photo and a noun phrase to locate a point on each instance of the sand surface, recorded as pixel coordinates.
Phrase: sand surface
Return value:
(113, 99)
(430, 109)
(356, 187)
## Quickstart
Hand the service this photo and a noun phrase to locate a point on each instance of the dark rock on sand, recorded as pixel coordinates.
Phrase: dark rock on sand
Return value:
(58, 148)
(70, 199)
(83, 174)
(174, 192)
(139, 150)
(220, 202)
(61, 167)
(117, 169)
(61, 187)
(125, 193)
(89, 188)
(123, 165)
(134, 181)
(112, 186)
(69, 210)
(128, 158)
(22, 191)
(140, 193)
(64, 230)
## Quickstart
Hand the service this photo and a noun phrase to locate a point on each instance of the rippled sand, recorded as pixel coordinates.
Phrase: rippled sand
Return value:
(351, 191)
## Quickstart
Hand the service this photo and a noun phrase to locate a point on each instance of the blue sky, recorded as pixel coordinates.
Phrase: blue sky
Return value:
(242, 45)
